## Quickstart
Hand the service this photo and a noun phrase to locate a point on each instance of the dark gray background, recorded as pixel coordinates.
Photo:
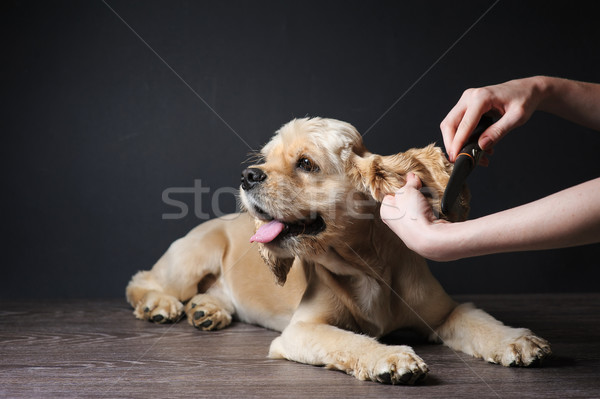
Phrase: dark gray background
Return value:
(95, 126)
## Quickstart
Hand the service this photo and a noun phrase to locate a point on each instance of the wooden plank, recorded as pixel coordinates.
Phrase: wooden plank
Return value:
(75, 349)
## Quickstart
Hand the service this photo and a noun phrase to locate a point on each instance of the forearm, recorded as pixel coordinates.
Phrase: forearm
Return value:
(576, 101)
(568, 218)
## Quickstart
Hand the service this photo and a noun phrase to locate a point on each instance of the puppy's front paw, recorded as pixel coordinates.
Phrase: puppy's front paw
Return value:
(206, 313)
(394, 365)
(159, 308)
(525, 350)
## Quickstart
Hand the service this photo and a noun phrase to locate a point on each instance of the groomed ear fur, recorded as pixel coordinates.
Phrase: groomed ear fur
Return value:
(279, 266)
(381, 175)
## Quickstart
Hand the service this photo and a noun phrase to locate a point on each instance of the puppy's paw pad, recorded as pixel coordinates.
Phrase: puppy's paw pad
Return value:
(207, 315)
(525, 351)
(159, 308)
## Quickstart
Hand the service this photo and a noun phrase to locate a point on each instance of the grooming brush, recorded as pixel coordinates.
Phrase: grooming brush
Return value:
(466, 161)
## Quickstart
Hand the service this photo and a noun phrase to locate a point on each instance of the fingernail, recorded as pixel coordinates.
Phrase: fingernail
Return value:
(485, 143)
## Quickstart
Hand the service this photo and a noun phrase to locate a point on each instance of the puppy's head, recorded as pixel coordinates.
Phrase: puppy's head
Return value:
(318, 188)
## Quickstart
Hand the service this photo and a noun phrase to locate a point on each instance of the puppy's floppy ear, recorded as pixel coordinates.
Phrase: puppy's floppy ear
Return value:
(381, 175)
(279, 266)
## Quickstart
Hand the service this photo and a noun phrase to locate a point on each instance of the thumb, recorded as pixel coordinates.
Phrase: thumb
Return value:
(389, 200)
(413, 181)
(497, 131)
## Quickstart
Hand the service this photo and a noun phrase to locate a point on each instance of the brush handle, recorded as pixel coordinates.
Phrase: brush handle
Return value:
(466, 161)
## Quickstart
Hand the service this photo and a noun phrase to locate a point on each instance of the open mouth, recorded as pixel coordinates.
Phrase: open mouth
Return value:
(277, 230)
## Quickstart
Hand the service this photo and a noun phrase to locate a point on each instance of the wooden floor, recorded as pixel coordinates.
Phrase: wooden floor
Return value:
(96, 349)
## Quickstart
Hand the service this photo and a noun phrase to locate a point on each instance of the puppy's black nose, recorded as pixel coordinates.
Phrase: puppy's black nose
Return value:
(251, 177)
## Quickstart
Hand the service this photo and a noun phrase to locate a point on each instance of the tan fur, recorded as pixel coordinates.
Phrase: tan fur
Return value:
(382, 175)
(332, 293)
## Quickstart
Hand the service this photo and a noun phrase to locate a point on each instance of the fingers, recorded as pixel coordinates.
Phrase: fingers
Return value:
(513, 100)
(449, 126)
(467, 125)
(498, 130)
(463, 118)
(391, 211)
(413, 181)
(408, 200)
(389, 200)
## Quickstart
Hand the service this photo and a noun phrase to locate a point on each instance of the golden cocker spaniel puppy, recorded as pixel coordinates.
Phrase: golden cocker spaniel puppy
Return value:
(322, 267)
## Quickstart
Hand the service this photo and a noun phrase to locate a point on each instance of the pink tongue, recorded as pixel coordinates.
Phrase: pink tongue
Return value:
(267, 232)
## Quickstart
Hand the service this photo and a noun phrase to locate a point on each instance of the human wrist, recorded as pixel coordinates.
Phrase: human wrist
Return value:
(460, 240)
(541, 88)
(547, 89)
(444, 242)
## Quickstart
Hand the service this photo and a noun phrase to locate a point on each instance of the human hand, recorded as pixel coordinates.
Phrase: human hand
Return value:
(515, 101)
(411, 217)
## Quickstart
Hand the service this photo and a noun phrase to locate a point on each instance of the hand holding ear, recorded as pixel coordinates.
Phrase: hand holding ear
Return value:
(410, 216)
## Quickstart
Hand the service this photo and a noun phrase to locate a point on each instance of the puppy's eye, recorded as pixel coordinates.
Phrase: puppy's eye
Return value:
(307, 165)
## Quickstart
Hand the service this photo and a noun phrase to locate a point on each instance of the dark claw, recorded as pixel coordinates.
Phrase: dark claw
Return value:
(207, 323)
(158, 318)
(198, 314)
(405, 378)
(385, 378)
